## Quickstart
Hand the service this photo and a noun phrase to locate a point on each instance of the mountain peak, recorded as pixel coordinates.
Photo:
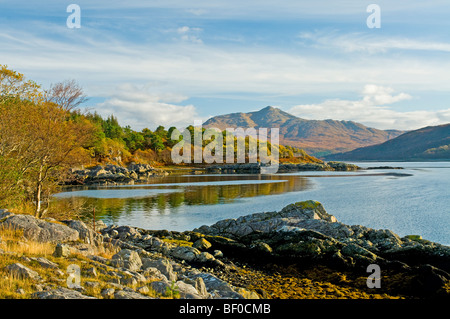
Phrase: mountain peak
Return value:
(269, 108)
(315, 136)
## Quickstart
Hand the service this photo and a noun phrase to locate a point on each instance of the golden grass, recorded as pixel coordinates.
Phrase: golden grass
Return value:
(17, 250)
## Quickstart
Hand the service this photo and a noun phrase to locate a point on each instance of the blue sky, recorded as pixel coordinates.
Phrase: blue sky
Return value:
(174, 61)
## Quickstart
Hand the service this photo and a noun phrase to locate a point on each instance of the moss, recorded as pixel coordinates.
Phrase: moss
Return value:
(309, 204)
(178, 242)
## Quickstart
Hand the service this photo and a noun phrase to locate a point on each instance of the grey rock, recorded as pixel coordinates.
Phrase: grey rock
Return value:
(86, 233)
(163, 265)
(292, 215)
(22, 272)
(40, 230)
(187, 291)
(60, 293)
(205, 257)
(128, 259)
(185, 253)
(152, 273)
(129, 295)
(62, 250)
(160, 287)
(45, 263)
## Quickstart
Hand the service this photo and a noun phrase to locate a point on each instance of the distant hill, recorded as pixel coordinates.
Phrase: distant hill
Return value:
(317, 137)
(428, 143)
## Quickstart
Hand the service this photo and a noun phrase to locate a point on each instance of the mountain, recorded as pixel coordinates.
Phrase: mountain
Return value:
(428, 143)
(317, 137)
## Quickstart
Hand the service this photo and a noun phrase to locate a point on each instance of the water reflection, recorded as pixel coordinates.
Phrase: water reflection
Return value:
(165, 195)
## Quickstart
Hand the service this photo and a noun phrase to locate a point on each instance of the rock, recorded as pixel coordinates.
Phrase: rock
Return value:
(22, 272)
(205, 257)
(201, 287)
(163, 265)
(218, 288)
(86, 233)
(187, 291)
(128, 259)
(91, 272)
(185, 253)
(40, 230)
(60, 293)
(430, 280)
(129, 281)
(143, 290)
(45, 263)
(297, 215)
(129, 295)
(152, 273)
(62, 250)
(201, 244)
(160, 287)
(217, 254)
(108, 292)
(261, 247)
(4, 213)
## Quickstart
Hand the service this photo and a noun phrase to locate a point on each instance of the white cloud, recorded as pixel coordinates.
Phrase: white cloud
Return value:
(140, 108)
(372, 110)
(369, 43)
(189, 34)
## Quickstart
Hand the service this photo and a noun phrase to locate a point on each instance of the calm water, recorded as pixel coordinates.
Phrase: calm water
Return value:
(414, 200)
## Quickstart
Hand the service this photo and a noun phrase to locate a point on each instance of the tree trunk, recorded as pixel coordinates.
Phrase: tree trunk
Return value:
(37, 198)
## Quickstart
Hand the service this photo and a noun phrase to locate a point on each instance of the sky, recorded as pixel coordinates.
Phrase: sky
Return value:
(171, 62)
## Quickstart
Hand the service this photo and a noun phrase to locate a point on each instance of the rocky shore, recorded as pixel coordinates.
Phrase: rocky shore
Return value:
(298, 252)
(255, 168)
(113, 174)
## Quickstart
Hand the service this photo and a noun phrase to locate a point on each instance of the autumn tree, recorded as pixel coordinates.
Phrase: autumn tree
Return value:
(38, 138)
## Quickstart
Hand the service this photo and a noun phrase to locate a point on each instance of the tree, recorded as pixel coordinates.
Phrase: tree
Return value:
(67, 94)
(37, 139)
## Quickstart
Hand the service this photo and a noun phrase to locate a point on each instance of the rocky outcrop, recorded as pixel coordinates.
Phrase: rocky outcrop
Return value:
(113, 174)
(304, 233)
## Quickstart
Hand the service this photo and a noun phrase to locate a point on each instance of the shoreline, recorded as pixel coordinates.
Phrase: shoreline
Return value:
(299, 252)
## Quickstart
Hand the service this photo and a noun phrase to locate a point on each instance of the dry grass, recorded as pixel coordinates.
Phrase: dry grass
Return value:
(16, 249)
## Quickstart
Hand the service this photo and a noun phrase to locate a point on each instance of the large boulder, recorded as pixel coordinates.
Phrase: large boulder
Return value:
(41, 230)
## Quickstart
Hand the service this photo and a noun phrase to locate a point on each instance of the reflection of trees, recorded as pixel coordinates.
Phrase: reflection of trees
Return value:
(112, 208)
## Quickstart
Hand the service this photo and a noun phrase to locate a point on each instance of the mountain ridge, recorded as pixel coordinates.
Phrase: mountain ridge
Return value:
(427, 143)
(317, 137)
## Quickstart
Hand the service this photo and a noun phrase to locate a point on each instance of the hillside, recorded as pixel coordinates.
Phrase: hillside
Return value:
(429, 143)
(317, 137)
